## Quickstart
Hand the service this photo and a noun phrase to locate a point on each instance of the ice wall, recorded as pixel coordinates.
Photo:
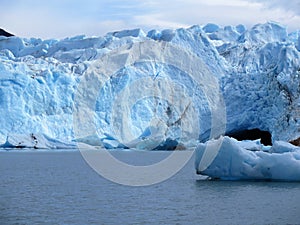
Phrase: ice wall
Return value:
(257, 71)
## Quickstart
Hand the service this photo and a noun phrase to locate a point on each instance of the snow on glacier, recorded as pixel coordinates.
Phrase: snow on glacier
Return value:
(257, 71)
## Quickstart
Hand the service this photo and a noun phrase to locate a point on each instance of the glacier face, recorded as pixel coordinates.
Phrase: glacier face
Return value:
(44, 83)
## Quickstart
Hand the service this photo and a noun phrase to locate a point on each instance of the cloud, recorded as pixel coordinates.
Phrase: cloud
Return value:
(290, 6)
(230, 12)
(163, 14)
(156, 21)
(48, 19)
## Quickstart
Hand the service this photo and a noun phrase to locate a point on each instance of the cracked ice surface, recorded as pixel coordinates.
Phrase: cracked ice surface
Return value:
(256, 71)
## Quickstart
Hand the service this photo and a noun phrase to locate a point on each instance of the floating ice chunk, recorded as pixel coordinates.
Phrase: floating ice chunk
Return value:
(282, 146)
(234, 162)
(152, 137)
(37, 141)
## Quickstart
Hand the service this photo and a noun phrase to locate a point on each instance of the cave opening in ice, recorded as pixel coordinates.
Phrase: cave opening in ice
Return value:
(296, 142)
(252, 134)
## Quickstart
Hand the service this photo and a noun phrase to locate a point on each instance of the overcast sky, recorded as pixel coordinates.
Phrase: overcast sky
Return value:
(63, 18)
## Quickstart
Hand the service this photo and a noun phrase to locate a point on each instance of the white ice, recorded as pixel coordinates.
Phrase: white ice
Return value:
(241, 161)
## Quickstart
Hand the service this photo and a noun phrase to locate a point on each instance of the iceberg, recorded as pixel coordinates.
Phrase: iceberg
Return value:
(168, 89)
(248, 160)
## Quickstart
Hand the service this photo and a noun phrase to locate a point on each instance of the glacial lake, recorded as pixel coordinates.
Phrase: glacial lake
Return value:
(58, 187)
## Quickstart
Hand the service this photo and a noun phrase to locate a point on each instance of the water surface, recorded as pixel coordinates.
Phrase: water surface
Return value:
(60, 188)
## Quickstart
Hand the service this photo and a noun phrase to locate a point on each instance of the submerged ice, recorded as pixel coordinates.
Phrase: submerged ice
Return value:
(255, 71)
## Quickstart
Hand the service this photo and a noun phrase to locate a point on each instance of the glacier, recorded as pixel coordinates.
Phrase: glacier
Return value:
(250, 80)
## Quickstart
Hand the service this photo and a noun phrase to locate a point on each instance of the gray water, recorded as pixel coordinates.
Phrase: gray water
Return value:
(60, 188)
